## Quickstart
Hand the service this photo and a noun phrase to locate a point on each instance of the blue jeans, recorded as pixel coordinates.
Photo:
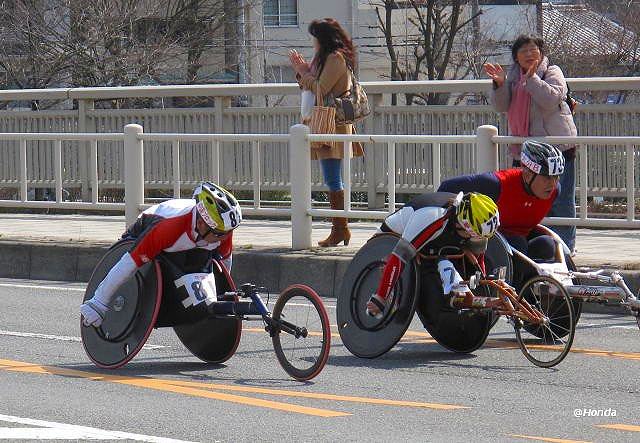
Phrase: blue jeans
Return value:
(332, 173)
(565, 203)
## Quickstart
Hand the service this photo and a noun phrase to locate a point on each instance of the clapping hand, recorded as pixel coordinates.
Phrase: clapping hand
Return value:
(532, 68)
(298, 62)
(496, 73)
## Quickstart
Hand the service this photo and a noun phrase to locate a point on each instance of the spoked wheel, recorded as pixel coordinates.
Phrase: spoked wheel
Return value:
(303, 354)
(546, 344)
(562, 326)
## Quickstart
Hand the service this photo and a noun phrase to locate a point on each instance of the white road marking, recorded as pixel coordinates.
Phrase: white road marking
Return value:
(46, 288)
(60, 338)
(49, 430)
(60, 288)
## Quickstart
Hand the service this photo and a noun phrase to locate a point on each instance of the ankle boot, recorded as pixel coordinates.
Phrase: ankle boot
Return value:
(339, 229)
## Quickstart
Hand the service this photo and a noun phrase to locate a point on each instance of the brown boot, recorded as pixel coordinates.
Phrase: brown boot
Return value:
(339, 229)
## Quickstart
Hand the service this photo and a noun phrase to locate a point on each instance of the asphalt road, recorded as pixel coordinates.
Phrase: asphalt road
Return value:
(417, 392)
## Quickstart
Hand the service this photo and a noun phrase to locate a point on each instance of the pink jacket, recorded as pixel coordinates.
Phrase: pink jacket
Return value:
(549, 114)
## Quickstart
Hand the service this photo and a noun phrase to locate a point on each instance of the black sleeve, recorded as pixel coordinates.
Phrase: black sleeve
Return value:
(487, 184)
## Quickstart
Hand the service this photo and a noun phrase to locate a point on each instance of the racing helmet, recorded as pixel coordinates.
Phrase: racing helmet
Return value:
(217, 207)
(542, 158)
(477, 214)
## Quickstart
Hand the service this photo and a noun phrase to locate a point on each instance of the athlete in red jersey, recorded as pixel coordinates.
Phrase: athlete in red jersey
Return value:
(207, 221)
(524, 195)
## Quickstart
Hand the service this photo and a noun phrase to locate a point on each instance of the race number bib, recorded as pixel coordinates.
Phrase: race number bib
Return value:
(201, 287)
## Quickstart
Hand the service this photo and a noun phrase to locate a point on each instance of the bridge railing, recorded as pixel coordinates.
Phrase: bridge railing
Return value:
(483, 146)
(226, 114)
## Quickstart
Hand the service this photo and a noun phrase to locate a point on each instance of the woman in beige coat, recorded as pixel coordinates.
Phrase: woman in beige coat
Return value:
(329, 73)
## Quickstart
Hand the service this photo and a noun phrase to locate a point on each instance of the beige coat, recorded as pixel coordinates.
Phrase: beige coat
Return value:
(334, 79)
(549, 114)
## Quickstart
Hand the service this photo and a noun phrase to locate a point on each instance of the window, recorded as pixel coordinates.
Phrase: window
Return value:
(280, 74)
(280, 12)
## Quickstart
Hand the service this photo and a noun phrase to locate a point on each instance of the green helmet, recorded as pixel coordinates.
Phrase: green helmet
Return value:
(217, 207)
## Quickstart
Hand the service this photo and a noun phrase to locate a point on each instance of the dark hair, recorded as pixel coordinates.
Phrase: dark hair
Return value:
(524, 40)
(332, 38)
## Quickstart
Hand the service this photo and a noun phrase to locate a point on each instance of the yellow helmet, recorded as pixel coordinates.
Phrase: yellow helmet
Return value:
(478, 215)
(217, 207)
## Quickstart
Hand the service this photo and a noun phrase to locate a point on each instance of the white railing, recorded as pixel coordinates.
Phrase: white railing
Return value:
(58, 174)
(237, 164)
(484, 152)
(601, 143)
(485, 144)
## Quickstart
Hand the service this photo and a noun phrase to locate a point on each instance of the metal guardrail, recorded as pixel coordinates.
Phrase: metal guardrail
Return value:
(485, 144)
(368, 175)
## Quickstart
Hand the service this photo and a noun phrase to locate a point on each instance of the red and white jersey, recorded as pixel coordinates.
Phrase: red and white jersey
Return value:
(171, 227)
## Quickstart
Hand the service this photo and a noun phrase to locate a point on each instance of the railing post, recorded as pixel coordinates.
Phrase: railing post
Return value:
(487, 150)
(300, 173)
(133, 173)
(175, 167)
(85, 164)
(22, 167)
(375, 199)
(631, 183)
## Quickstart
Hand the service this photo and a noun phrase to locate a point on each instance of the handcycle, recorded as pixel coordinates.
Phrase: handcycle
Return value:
(562, 268)
(534, 308)
(193, 293)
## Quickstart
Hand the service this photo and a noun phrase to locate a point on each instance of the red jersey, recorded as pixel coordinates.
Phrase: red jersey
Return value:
(520, 211)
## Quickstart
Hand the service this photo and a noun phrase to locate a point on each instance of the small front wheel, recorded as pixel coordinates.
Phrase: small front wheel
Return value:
(302, 336)
(548, 343)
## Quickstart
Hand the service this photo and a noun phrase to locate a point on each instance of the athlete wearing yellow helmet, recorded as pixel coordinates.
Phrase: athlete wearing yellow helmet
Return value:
(205, 221)
(478, 215)
(431, 223)
(218, 207)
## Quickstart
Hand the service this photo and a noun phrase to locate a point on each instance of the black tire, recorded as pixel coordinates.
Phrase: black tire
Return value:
(317, 345)
(543, 347)
(127, 326)
(458, 332)
(362, 335)
(212, 339)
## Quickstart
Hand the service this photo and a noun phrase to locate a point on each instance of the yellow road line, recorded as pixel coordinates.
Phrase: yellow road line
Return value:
(553, 440)
(621, 427)
(319, 396)
(511, 344)
(200, 389)
(162, 385)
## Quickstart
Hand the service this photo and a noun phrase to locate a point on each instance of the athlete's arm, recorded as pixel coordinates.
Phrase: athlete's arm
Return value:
(160, 234)
(487, 184)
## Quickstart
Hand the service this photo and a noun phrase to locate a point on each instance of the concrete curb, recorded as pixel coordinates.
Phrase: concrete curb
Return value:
(273, 268)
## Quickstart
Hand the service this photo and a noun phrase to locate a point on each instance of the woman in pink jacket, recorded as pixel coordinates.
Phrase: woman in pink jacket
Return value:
(533, 94)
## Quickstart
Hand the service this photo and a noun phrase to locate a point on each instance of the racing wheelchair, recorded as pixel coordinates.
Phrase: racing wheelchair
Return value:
(193, 293)
(561, 267)
(537, 310)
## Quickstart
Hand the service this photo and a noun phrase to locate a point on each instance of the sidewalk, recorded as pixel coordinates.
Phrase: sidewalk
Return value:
(608, 248)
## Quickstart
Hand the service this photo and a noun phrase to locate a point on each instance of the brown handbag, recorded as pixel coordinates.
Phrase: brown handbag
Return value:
(353, 105)
(323, 118)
